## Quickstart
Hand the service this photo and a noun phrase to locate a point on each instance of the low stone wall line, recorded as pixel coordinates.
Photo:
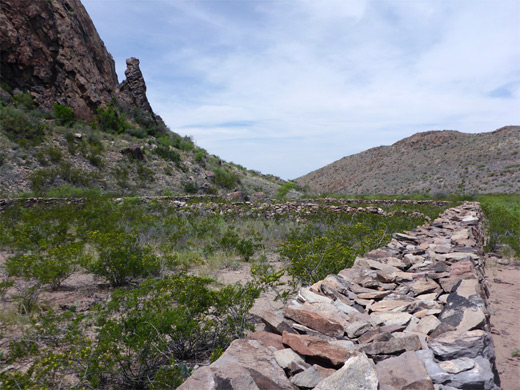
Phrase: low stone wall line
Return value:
(264, 208)
(410, 315)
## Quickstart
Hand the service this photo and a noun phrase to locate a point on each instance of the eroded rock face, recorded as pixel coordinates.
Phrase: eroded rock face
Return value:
(51, 48)
(132, 91)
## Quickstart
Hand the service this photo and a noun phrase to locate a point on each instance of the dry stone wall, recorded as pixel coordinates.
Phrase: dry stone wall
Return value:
(214, 205)
(410, 315)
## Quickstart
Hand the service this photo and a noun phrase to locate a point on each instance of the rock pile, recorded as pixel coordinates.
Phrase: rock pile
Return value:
(210, 205)
(410, 315)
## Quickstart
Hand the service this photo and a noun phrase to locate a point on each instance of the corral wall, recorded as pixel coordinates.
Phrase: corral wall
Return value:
(410, 315)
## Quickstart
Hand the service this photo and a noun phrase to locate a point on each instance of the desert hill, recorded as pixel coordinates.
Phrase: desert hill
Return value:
(432, 162)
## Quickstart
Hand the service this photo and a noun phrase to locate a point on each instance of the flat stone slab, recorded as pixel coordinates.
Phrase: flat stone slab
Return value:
(305, 345)
(321, 323)
(406, 371)
(453, 345)
(392, 346)
(246, 364)
(358, 373)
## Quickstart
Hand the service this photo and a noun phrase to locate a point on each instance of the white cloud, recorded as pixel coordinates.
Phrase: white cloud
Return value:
(287, 86)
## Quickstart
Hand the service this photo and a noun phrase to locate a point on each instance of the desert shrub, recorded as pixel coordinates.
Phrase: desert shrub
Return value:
(54, 154)
(245, 247)
(191, 187)
(503, 220)
(47, 267)
(6, 87)
(282, 191)
(329, 243)
(69, 191)
(225, 179)
(120, 258)
(20, 127)
(64, 115)
(50, 367)
(110, 120)
(167, 153)
(25, 100)
(3, 157)
(40, 179)
(145, 331)
(200, 155)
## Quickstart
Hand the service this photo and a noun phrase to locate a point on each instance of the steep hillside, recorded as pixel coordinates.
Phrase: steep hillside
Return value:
(52, 153)
(67, 125)
(430, 162)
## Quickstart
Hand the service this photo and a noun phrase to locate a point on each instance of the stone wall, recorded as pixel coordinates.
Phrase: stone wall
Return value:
(410, 315)
(263, 208)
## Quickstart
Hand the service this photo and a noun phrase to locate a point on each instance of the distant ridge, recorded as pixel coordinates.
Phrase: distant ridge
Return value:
(444, 161)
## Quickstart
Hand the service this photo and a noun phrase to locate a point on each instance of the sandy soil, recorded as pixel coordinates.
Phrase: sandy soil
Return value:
(504, 305)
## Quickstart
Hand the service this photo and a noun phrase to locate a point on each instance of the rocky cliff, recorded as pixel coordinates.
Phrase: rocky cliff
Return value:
(52, 49)
(430, 162)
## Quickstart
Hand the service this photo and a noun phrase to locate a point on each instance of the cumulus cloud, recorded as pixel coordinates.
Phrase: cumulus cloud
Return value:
(286, 87)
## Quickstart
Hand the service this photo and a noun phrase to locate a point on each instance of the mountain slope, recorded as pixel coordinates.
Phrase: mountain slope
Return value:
(67, 125)
(430, 162)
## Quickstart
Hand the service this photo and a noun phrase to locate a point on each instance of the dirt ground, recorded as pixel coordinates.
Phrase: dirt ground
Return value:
(504, 304)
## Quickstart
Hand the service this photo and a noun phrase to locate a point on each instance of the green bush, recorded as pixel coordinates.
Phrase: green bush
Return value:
(231, 242)
(503, 218)
(282, 191)
(145, 331)
(120, 258)
(40, 179)
(110, 120)
(190, 187)
(24, 100)
(167, 153)
(54, 154)
(49, 267)
(20, 127)
(225, 179)
(200, 155)
(64, 115)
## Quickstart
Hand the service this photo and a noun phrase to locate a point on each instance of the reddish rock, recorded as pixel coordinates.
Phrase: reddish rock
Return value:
(314, 321)
(52, 49)
(268, 339)
(462, 267)
(392, 346)
(333, 354)
(406, 371)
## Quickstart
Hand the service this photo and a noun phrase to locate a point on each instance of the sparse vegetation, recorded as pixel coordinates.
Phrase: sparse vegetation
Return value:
(144, 333)
(67, 151)
(503, 215)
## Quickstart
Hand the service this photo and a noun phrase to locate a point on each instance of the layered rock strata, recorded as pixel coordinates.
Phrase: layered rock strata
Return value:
(410, 315)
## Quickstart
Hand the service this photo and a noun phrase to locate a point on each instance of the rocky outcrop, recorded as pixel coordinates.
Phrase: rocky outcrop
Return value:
(132, 91)
(52, 49)
(410, 315)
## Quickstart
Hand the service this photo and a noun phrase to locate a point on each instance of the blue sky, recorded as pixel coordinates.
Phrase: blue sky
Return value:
(286, 87)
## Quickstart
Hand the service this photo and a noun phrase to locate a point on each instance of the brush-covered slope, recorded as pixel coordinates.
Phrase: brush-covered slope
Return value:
(430, 162)
(124, 152)
(67, 126)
